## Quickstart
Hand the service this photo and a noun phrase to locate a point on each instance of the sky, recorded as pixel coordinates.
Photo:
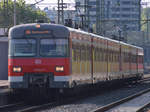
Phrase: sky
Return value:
(48, 1)
(65, 1)
(55, 1)
(45, 3)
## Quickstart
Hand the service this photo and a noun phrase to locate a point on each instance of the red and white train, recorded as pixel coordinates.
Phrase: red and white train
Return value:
(55, 56)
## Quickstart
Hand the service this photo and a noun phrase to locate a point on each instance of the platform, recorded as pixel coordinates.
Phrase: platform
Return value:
(3, 84)
(146, 75)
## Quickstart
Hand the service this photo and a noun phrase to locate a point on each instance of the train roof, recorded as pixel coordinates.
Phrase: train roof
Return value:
(102, 37)
(56, 30)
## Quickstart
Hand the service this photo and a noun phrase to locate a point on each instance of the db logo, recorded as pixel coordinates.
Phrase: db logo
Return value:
(38, 61)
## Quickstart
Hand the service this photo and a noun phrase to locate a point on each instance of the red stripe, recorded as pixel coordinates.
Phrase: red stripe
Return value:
(47, 65)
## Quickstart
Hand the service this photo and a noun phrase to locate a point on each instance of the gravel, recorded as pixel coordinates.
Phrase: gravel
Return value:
(132, 105)
(107, 97)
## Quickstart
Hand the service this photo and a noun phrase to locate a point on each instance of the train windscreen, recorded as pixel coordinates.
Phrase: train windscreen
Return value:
(22, 47)
(54, 47)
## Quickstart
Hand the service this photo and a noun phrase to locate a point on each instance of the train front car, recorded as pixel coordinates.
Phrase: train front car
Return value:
(38, 56)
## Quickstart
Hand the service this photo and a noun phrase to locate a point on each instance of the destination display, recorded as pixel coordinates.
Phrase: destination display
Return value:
(38, 32)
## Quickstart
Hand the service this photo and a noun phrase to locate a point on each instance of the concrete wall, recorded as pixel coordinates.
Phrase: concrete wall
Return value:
(4, 58)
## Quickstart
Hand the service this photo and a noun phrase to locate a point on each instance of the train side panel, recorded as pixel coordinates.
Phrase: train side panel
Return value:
(99, 59)
(81, 59)
(140, 62)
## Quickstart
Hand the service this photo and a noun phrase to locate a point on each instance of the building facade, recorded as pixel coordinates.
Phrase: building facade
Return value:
(122, 14)
(126, 13)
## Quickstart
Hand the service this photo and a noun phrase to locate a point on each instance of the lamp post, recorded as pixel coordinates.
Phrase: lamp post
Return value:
(14, 12)
(119, 31)
(120, 57)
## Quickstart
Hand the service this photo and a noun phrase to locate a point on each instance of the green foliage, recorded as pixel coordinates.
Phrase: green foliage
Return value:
(24, 13)
(144, 15)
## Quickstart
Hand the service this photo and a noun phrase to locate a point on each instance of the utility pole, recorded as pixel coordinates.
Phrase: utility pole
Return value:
(102, 32)
(60, 12)
(97, 17)
(139, 3)
(5, 6)
(85, 13)
(88, 15)
(4, 13)
(85, 19)
(14, 12)
(147, 16)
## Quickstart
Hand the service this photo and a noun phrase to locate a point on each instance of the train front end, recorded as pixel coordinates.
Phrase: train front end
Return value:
(38, 56)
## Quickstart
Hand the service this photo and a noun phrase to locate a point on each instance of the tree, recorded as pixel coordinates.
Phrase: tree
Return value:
(145, 13)
(24, 13)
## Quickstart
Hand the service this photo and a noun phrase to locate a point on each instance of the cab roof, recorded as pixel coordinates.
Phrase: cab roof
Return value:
(57, 30)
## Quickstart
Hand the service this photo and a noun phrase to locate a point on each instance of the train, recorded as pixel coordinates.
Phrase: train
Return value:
(56, 56)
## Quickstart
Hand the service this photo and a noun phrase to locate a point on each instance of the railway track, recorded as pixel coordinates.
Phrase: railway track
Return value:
(113, 107)
(23, 107)
(67, 101)
(144, 79)
(29, 107)
(8, 107)
(38, 107)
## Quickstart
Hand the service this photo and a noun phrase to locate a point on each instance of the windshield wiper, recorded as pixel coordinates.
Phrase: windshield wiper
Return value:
(28, 42)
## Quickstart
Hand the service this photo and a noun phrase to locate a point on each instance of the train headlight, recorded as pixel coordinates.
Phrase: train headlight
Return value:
(59, 68)
(17, 69)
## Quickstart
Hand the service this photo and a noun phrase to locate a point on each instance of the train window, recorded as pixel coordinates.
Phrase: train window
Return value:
(75, 52)
(88, 53)
(54, 47)
(109, 55)
(124, 57)
(23, 47)
(99, 54)
(141, 59)
(96, 54)
(83, 53)
(106, 55)
(78, 53)
(114, 53)
(102, 54)
(74, 55)
(118, 54)
(112, 56)
(117, 58)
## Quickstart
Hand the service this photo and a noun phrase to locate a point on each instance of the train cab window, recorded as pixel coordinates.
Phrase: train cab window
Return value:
(54, 47)
(22, 47)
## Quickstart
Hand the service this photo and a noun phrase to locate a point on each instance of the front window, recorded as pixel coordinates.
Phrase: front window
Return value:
(54, 47)
(22, 47)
